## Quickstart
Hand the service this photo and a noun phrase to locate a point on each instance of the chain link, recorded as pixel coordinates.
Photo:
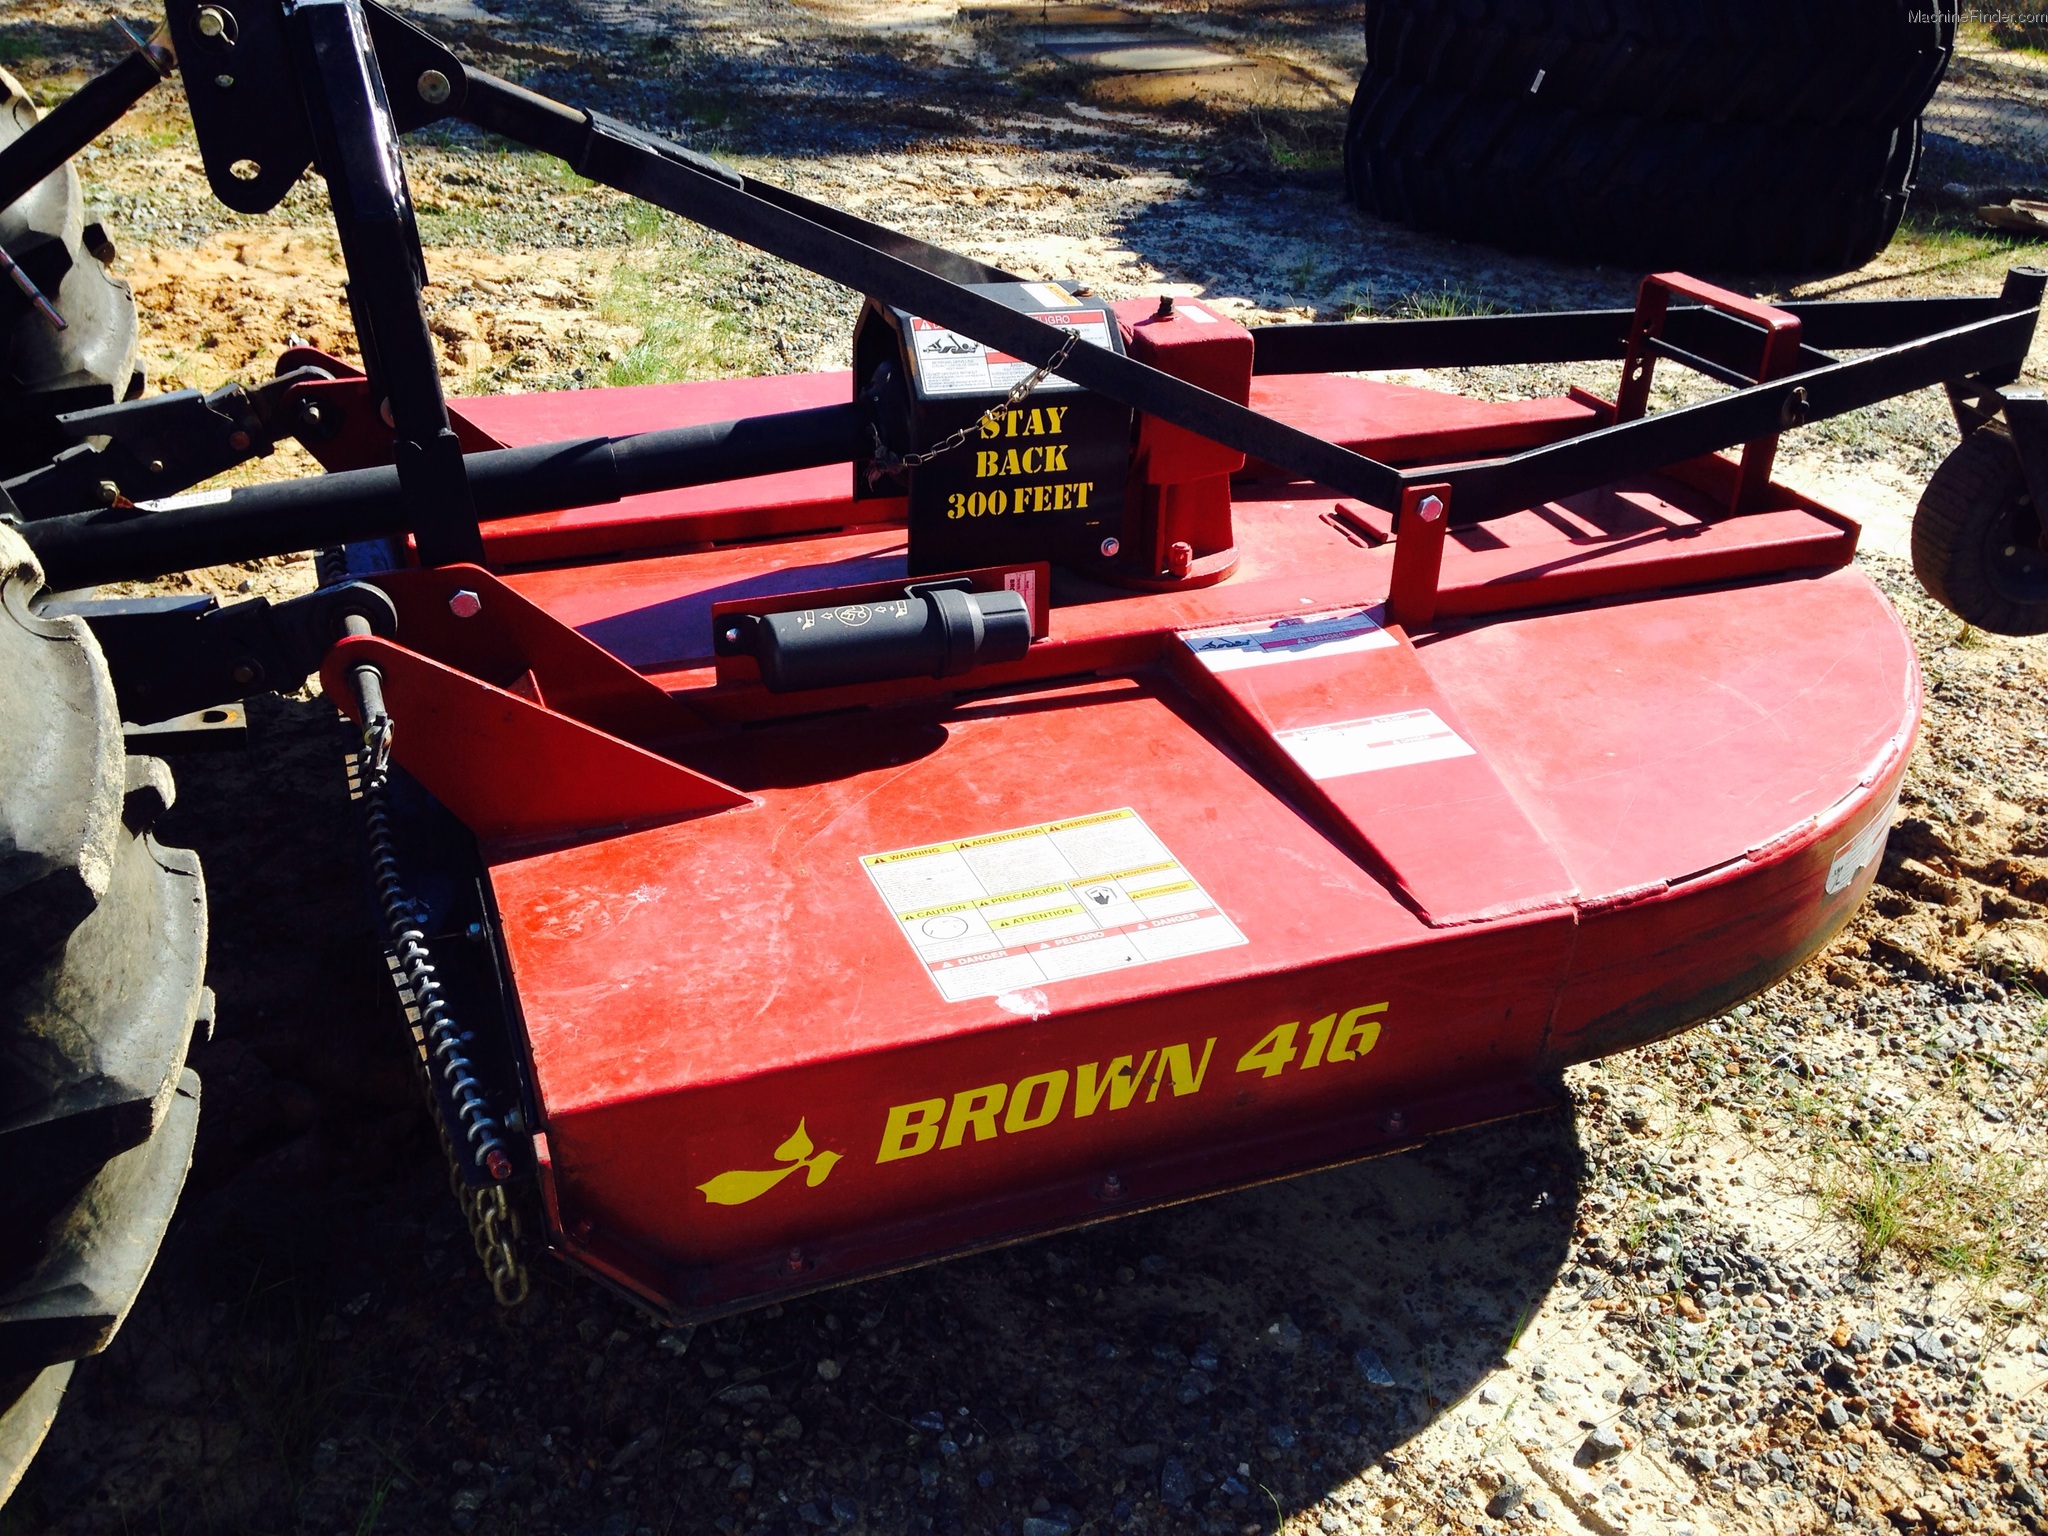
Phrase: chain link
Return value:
(885, 461)
(494, 1229)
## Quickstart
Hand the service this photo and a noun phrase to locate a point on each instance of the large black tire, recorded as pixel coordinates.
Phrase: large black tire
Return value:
(44, 371)
(1736, 136)
(1835, 62)
(1639, 191)
(102, 957)
(1977, 541)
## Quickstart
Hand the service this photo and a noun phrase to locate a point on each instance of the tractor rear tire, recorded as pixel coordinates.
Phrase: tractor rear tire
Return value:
(102, 958)
(1716, 137)
(1977, 538)
(65, 252)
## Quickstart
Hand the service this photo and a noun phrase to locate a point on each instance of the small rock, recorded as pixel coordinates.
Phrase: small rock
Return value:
(1603, 1444)
(1046, 1525)
(1282, 1435)
(828, 1370)
(1865, 1338)
(1138, 1455)
(1490, 1395)
(742, 1476)
(2015, 1301)
(1835, 1415)
(1284, 1336)
(1176, 1487)
(931, 1419)
(1928, 1346)
(635, 1448)
(674, 1341)
(1639, 1387)
(1153, 1264)
(1373, 1369)
(1702, 1460)
(1506, 1500)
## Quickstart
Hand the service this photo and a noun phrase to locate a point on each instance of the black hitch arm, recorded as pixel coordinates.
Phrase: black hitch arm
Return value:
(160, 445)
(82, 117)
(170, 656)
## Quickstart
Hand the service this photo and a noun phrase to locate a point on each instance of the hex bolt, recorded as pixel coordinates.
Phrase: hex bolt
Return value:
(225, 82)
(245, 673)
(465, 604)
(239, 441)
(110, 493)
(1110, 547)
(1165, 309)
(156, 466)
(796, 1261)
(1180, 559)
(434, 87)
(1430, 509)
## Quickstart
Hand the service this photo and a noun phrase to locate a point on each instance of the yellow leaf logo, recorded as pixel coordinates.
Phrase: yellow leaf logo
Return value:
(740, 1185)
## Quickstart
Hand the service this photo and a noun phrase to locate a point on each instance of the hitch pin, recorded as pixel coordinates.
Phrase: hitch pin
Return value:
(31, 292)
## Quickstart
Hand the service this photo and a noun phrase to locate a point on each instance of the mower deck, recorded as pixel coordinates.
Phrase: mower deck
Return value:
(913, 968)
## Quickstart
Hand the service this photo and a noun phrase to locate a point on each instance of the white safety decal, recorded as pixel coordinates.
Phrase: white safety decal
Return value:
(1011, 910)
(951, 364)
(1297, 637)
(1346, 747)
(1861, 849)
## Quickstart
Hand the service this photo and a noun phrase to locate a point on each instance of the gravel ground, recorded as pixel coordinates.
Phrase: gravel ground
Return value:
(1783, 1273)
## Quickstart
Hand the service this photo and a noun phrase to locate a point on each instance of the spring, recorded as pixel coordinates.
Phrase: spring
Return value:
(479, 1128)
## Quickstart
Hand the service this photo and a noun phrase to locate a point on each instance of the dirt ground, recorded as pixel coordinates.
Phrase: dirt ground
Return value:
(1786, 1272)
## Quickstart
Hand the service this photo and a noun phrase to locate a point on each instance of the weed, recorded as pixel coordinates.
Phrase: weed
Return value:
(1961, 1218)
(1442, 303)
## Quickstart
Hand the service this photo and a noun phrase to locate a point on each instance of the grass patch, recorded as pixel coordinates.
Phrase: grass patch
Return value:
(1948, 242)
(668, 287)
(2012, 29)
(1974, 1219)
(1439, 303)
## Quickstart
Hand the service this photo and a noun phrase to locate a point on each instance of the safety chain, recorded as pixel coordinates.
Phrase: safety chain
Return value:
(494, 1230)
(885, 461)
(494, 1226)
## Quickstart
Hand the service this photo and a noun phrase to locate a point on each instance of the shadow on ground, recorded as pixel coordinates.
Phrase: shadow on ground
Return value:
(318, 1351)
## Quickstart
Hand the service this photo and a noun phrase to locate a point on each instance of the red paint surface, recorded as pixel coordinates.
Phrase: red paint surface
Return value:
(1677, 721)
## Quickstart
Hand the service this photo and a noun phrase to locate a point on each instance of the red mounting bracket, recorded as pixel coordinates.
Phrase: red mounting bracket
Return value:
(1781, 348)
(511, 768)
